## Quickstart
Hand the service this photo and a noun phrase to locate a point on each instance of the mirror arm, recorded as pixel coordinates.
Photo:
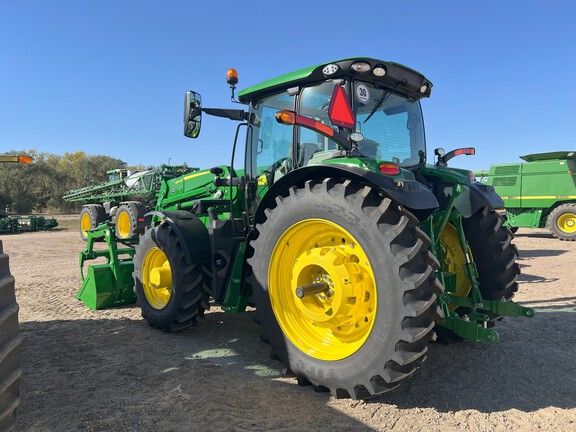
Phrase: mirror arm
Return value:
(232, 114)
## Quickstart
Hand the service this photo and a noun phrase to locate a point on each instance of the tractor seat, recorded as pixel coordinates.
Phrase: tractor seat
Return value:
(306, 150)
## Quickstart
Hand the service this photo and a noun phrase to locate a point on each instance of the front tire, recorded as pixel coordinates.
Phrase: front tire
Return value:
(370, 328)
(562, 222)
(171, 293)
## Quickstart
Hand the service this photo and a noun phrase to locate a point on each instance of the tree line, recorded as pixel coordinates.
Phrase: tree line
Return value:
(39, 186)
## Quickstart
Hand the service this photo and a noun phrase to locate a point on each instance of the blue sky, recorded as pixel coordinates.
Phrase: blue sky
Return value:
(109, 77)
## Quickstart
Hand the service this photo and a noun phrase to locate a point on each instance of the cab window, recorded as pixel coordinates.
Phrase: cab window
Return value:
(314, 104)
(270, 143)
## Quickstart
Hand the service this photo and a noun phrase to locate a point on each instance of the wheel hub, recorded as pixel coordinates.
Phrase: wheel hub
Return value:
(124, 225)
(322, 289)
(157, 278)
(567, 222)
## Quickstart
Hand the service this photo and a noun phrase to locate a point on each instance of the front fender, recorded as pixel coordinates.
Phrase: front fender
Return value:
(411, 194)
(191, 232)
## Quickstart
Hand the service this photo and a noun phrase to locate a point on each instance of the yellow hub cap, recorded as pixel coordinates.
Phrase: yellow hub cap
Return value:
(157, 278)
(567, 223)
(454, 260)
(85, 223)
(124, 225)
(331, 322)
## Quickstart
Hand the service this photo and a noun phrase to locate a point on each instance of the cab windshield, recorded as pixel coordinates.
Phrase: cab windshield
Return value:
(395, 131)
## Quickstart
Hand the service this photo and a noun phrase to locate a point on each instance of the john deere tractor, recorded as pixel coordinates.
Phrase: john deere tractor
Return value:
(351, 247)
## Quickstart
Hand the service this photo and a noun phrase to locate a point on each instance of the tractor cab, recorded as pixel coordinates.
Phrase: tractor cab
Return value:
(361, 113)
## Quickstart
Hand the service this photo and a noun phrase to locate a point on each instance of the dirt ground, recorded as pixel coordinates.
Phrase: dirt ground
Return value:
(107, 370)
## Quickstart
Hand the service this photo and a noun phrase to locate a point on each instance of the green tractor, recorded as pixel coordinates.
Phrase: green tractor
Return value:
(538, 193)
(352, 249)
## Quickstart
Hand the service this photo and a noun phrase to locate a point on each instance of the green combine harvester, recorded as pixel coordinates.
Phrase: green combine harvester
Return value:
(538, 193)
(123, 199)
(353, 249)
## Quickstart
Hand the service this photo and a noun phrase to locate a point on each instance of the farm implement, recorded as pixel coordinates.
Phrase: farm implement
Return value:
(123, 199)
(354, 250)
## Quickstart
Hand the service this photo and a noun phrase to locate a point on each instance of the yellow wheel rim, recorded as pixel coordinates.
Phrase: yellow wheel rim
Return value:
(335, 323)
(85, 223)
(157, 278)
(454, 260)
(123, 225)
(567, 223)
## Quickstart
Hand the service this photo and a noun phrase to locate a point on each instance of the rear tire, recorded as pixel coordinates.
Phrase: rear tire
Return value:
(10, 369)
(171, 293)
(91, 216)
(494, 254)
(371, 330)
(126, 219)
(562, 222)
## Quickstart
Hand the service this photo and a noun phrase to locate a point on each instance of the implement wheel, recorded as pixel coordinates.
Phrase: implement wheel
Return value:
(344, 287)
(562, 222)
(91, 216)
(126, 219)
(171, 293)
(10, 370)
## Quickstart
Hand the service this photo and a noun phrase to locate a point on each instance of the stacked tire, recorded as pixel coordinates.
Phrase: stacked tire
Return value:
(10, 339)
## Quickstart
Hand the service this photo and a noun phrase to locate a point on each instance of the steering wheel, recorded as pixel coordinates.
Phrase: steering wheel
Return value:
(269, 172)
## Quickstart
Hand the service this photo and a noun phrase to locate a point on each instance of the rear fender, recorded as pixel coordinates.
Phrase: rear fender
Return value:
(191, 232)
(474, 196)
(411, 194)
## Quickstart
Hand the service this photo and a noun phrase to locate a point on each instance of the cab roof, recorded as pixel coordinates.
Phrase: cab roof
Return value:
(410, 80)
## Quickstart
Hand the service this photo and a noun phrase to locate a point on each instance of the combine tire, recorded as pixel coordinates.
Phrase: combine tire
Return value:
(562, 222)
(171, 294)
(10, 338)
(494, 254)
(91, 216)
(344, 287)
(127, 217)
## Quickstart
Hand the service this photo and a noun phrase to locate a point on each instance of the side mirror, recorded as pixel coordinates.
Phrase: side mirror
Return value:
(192, 114)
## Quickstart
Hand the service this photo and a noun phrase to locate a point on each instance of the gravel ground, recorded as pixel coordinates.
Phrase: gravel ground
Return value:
(107, 370)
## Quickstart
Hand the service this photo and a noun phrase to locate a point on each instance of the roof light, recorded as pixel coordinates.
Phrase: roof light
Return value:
(389, 168)
(424, 88)
(360, 67)
(330, 69)
(379, 71)
(232, 77)
(340, 111)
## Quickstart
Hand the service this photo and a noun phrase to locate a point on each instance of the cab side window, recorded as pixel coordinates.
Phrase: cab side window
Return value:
(270, 142)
